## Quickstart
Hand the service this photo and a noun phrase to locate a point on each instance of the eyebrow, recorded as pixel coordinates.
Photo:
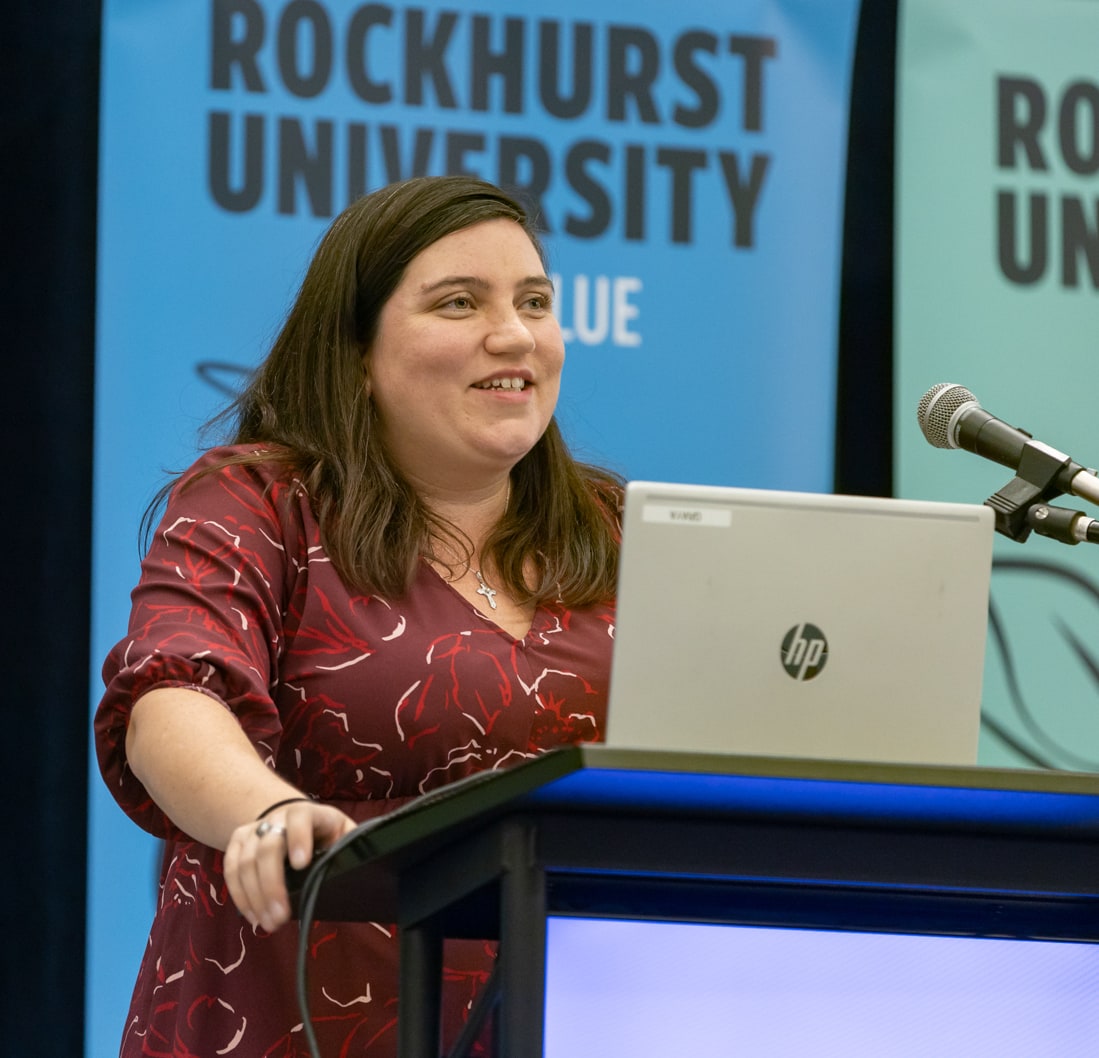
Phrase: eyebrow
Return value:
(483, 284)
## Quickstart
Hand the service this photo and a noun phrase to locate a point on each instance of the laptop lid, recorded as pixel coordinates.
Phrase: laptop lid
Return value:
(800, 624)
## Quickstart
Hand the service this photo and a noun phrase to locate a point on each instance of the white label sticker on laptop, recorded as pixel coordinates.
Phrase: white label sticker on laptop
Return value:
(679, 515)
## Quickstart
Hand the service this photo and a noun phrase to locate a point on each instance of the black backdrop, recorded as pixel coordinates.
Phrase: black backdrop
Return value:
(49, 68)
(49, 65)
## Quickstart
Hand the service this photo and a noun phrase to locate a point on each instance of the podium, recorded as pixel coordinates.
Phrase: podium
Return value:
(599, 832)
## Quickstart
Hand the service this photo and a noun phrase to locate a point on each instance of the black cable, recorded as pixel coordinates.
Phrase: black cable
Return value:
(315, 877)
(485, 1005)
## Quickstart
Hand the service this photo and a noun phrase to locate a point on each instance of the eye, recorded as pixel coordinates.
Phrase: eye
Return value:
(539, 302)
(459, 302)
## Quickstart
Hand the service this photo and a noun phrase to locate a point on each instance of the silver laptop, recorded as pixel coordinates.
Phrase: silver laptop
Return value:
(800, 625)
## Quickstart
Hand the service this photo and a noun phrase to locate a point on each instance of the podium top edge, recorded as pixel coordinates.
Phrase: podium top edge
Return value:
(594, 777)
(971, 777)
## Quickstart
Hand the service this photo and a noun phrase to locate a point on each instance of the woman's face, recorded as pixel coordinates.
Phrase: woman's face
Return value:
(466, 364)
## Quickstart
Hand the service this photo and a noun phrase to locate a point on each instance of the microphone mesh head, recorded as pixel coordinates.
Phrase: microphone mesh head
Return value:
(937, 409)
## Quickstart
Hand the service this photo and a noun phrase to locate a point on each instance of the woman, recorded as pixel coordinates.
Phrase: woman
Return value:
(395, 576)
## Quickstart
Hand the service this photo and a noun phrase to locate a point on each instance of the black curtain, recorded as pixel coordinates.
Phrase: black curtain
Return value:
(49, 65)
(864, 403)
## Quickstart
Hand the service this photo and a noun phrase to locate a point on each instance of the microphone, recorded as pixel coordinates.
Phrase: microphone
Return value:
(951, 417)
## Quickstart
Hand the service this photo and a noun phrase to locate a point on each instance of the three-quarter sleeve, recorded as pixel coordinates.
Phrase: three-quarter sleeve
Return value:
(207, 614)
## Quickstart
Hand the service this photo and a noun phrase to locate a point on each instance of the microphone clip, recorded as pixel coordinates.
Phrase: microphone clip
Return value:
(1034, 484)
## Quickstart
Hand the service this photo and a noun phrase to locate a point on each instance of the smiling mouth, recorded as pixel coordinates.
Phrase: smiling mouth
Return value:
(513, 384)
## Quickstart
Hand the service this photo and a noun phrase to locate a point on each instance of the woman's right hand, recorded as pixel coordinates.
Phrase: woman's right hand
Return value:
(194, 759)
(257, 854)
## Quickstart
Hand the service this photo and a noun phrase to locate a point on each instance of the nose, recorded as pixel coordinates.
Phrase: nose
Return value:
(508, 333)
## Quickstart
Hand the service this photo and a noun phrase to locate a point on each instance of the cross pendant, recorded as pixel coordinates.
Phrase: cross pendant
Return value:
(485, 590)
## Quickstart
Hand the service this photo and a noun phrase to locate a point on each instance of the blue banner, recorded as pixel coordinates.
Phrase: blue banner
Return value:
(688, 160)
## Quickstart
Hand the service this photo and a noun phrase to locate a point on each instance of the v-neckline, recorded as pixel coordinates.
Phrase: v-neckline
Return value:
(487, 618)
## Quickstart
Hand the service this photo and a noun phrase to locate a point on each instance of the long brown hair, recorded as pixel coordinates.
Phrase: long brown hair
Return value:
(308, 406)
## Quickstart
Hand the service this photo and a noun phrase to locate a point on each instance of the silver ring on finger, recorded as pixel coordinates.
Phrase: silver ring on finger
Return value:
(265, 827)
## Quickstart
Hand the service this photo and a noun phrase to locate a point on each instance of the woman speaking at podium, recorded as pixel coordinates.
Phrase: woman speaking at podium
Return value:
(393, 576)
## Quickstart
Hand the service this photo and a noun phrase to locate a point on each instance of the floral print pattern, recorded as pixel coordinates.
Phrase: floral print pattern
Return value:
(359, 701)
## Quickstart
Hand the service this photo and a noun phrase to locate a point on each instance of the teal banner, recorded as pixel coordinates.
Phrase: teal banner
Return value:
(998, 290)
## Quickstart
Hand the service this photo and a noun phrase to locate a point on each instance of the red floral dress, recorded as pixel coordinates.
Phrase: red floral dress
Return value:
(360, 701)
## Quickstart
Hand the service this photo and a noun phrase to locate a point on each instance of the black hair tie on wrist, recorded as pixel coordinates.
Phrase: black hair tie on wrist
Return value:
(279, 804)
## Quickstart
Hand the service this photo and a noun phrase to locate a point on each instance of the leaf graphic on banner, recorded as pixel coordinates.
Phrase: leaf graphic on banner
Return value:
(225, 378)
(1042, 678)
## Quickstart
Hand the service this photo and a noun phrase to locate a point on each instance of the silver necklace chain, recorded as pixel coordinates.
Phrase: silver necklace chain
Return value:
(483, 588)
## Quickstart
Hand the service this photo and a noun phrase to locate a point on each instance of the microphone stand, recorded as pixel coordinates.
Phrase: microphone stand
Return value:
(1058, 523)
(1023, 503)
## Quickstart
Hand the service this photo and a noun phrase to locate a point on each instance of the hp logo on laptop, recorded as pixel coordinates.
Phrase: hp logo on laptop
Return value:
(804, 651)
